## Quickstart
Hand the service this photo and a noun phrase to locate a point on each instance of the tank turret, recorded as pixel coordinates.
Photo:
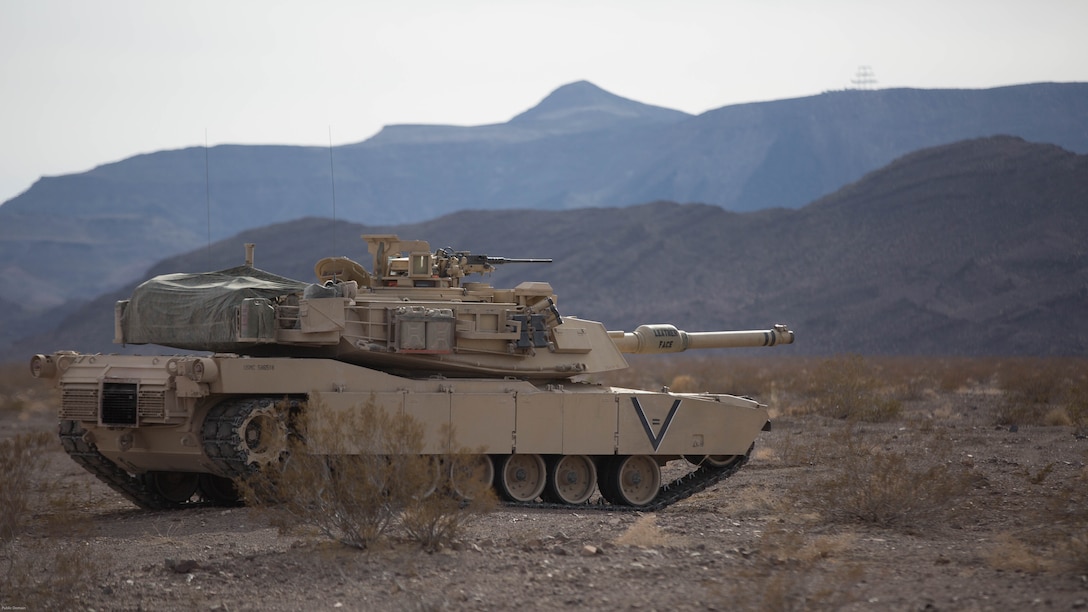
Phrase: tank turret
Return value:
(415, 312)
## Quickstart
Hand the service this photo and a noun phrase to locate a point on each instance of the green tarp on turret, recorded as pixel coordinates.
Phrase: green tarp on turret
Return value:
(197, 311)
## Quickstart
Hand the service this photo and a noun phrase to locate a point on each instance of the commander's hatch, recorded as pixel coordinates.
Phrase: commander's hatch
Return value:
(404, 263)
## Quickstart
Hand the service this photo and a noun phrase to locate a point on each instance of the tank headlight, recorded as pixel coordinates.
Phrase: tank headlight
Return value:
(42, 366)
(203, 370)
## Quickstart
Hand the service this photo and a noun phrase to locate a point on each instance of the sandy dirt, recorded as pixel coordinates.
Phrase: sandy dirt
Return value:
(758, 541)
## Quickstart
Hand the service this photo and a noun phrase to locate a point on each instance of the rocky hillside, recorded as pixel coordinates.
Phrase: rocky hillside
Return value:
(973, 248)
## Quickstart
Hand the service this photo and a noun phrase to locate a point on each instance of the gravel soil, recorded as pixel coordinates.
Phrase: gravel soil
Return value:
(768, 538)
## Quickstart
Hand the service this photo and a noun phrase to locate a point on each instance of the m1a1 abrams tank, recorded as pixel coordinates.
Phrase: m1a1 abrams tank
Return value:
(500, 367)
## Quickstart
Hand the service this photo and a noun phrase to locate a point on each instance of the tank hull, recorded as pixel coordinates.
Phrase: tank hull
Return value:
(163, 415)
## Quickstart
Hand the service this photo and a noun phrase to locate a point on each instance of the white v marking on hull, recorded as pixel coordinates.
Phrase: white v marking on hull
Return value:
(655, 439)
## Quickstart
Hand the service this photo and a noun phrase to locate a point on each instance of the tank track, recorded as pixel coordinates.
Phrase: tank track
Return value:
(222, 442)
(135, 488)
(698, 480)
(220, 434)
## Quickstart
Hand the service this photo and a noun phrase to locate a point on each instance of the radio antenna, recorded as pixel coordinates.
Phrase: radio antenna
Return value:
(208, 197)
(332, 178)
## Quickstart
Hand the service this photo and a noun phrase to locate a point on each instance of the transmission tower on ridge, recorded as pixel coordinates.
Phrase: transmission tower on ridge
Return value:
(864, 78)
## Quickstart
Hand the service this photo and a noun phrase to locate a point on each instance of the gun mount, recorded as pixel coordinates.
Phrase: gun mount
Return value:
(410, 263)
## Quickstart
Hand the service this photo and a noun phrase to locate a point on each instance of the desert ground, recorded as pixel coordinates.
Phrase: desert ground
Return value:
(883, 485)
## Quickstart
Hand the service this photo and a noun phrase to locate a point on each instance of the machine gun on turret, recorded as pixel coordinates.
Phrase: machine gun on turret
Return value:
(410, 263)
(479, 264)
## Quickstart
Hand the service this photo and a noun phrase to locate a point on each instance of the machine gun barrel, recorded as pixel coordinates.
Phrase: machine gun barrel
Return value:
(487, 260)
(484, 264)
(506, 260)
(668, 339)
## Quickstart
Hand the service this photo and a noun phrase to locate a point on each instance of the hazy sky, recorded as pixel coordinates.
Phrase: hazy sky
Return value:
(90, 82)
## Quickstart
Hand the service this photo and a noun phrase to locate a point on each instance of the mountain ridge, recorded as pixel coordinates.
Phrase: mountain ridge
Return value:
(971, 248)
(99, 228)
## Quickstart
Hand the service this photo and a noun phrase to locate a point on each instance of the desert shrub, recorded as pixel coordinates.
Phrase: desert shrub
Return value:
(873, 485)
(19, 465)
(1043, 392)
(351, 498)
(790, 570)
(1076, 404)
(49, 580)
(1056, 538)
(906, 378)
(952, 374)
(849, 388)
(1013, 411)
(351, 475)
(1064, 517)
(1033, 381)
(437, 519)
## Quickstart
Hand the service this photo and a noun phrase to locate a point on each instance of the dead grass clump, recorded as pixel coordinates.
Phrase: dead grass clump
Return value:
(1011, 412)
(351, 475)
(907, 378)
(849, 388)
(1058, 541)
(783, 546)
(1033, 381)
(1011, 554)
(792, 448)
(953, 374)
(1051, 392)
(1076, 403)
(753, 502)
(19, 465)
(27, 572)
(889, 489)
(1063, 520)
(790, 571)
(643, 532)
(49, 581)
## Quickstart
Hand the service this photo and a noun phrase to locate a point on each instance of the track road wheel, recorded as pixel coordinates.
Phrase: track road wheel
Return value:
(174, 487)
(428, 476)
(522, 477)
(470, 475)
(571, 479)
(219, 490)
(632, 480)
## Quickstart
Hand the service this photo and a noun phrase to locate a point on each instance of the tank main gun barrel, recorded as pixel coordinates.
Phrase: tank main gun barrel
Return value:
(667, 339)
